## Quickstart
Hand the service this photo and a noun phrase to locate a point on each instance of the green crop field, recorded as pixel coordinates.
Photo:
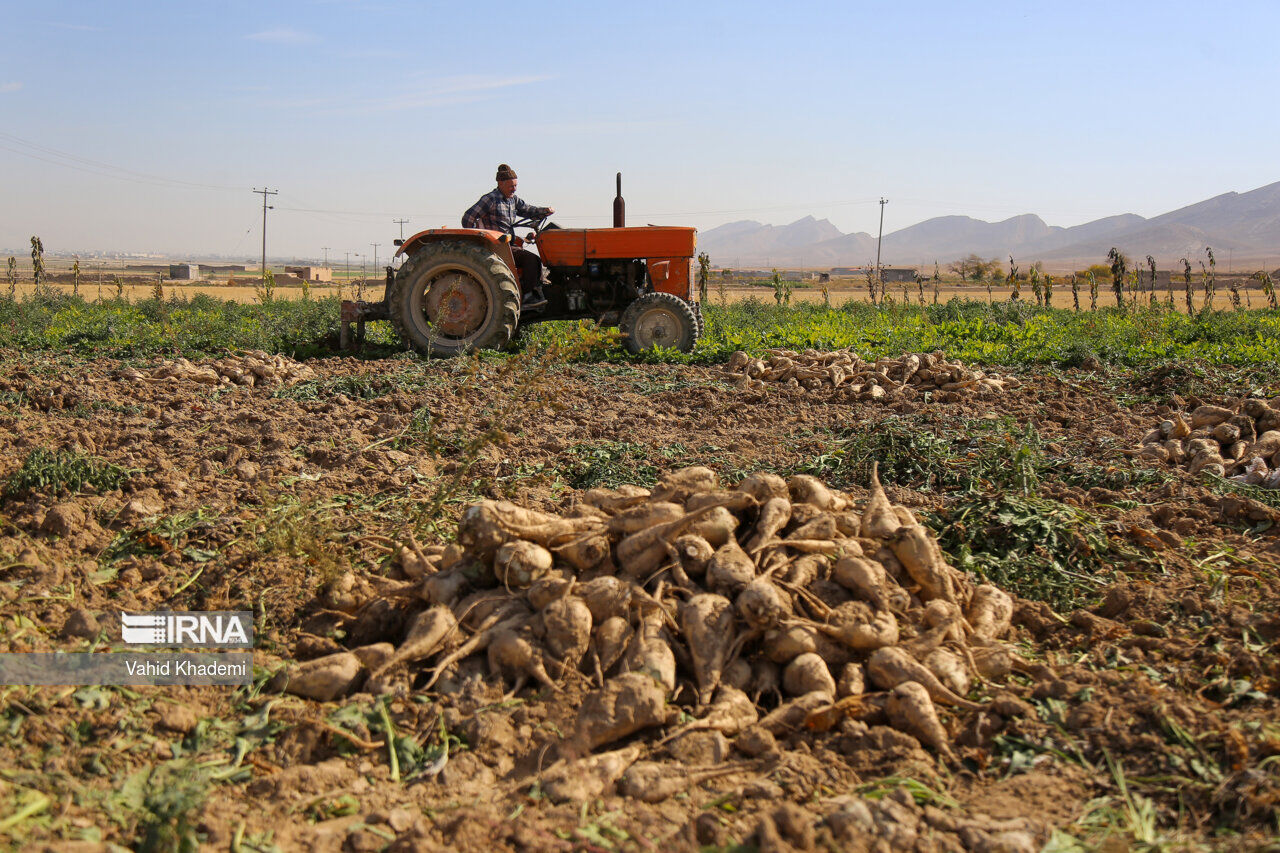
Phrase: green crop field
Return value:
(1006, 334)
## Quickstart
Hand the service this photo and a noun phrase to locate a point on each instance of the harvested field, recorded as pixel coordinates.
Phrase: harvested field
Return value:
(1139, 704)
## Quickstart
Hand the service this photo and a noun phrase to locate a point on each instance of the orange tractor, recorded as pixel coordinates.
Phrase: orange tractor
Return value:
(458, 288)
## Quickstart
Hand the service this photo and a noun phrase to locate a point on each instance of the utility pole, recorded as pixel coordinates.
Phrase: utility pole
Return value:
(375, 255)
(401, 223)
(264, 192)
(880, 236)
(326, 255)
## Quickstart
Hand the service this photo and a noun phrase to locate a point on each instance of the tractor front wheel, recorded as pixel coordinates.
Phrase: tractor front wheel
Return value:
(659, 320)
(451, 298)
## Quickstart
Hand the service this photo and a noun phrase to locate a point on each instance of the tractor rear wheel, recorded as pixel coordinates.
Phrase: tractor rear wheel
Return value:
(451, 298)
(659, 320)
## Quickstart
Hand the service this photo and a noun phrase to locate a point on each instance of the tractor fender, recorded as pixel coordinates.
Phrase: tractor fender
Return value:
(494, 241)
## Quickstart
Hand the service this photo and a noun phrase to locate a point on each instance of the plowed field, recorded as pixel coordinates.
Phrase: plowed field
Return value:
(1142, 709)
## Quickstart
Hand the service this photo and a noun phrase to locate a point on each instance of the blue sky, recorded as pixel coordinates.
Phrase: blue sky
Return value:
(143, 126)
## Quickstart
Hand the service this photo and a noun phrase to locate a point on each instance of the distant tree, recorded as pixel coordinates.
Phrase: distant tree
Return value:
(970, 268)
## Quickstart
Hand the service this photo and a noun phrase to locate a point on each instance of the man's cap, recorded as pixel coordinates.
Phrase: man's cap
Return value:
(506, 173)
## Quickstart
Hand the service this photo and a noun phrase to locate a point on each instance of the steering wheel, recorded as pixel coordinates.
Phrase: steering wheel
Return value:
(538, 226)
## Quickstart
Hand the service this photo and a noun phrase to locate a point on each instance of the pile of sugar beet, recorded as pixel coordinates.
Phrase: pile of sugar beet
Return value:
(1241, 443)
(884, 379)
(723, 602)
(252, 369)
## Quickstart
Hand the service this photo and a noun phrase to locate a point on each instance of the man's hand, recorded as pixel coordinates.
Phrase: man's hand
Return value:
(550, 210)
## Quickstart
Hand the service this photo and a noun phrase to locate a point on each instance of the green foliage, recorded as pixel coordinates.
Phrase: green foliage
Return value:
(1031, 545)
(1006, 334)
(1210, 274)
(64, 472)
(704, 275)
(976, 332)
(37, 260)
(781, 289)
(1118, 267)
(265, 290)
(201, 325)
(1268, 287)
(610, 463)
(171, 807)
(926, 455)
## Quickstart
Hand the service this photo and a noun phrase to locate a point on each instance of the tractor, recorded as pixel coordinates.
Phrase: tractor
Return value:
(458, 288)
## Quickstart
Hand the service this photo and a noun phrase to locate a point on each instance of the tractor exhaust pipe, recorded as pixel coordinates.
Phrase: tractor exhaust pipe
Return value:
(619, 207)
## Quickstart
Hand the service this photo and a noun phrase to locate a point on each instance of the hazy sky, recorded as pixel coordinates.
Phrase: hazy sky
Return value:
(143, 126)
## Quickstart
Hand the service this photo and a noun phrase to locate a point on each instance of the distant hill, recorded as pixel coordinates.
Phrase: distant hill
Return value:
(750, 238)
(1247, 224)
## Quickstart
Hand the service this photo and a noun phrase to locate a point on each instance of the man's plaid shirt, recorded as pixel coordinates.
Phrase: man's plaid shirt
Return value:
(496, 213)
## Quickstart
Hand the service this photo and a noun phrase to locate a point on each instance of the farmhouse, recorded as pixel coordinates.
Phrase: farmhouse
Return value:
(311, 273)
(1164, 279)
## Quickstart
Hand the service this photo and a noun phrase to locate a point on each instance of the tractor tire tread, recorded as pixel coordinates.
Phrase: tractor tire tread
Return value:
(503, 289)
(682, 309)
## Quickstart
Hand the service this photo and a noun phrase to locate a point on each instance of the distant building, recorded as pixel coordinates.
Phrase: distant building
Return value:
(899, 273)
(311, 273)
(184, 272)
(1164, 279)
(221, 268)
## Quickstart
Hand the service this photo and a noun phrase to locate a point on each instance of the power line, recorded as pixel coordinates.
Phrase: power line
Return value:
(401, 223)
(58, 157)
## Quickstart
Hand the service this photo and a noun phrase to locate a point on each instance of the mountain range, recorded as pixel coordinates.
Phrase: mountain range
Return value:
(1245, 226)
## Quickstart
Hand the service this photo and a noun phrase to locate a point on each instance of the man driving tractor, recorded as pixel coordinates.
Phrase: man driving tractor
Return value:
(497, 210)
